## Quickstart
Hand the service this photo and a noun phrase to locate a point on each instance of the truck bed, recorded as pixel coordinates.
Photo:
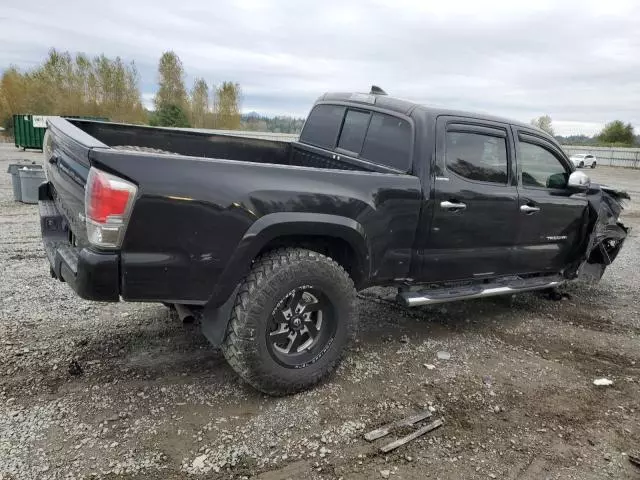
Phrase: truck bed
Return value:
(186, 142)
(198, 143)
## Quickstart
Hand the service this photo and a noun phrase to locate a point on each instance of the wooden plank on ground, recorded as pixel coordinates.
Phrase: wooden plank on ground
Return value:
(412, 436)
(387, 429)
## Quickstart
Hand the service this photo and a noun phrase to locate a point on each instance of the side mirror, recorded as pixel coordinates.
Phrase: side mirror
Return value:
(579, 181)
(557, 180)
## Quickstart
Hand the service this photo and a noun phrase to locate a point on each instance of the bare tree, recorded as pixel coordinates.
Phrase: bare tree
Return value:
(199, 103)
(227, 106)
(543, 123)
(171, 89)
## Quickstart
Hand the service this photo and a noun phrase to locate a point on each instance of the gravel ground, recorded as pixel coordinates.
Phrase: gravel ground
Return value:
(91, 390)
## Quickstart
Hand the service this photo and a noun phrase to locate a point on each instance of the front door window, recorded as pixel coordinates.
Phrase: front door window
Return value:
(541, 168)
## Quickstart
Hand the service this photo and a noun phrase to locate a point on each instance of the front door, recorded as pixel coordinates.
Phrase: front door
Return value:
(551, 217)
(475, 211)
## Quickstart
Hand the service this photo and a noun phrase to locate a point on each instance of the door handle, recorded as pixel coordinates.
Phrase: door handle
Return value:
(528, 209)
(453, 205)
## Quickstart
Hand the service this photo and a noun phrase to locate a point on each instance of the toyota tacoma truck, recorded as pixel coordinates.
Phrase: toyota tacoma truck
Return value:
(266, 242)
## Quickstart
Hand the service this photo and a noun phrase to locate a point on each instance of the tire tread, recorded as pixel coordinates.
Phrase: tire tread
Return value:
(238, 345)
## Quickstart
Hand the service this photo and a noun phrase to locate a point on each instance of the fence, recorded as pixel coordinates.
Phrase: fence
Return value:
(614, 157)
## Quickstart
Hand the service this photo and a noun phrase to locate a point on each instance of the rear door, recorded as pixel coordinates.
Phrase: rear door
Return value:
(550, 216)
(475, 219)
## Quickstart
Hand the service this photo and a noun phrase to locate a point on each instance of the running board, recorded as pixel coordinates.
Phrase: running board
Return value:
(445, 294)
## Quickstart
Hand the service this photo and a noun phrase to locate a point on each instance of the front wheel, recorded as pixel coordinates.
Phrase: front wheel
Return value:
(581, 165)
(293, 317)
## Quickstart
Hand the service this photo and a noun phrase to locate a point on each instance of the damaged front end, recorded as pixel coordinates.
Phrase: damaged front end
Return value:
(606, 233)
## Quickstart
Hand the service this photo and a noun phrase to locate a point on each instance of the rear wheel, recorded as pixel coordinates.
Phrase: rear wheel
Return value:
(593, 165)
(293, 317)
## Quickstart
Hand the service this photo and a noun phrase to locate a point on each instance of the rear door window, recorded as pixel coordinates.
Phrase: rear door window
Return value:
(388, 141)
(477, 156)
(322, 127)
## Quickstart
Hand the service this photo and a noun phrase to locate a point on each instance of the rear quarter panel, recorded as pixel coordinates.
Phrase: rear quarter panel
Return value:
(191, 215)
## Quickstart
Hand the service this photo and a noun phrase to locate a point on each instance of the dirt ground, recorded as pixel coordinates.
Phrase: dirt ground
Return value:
(90, 390)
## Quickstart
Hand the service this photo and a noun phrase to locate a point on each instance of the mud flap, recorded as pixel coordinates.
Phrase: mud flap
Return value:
(214, 320)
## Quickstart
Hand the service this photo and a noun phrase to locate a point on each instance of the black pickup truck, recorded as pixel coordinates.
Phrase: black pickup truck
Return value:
(267, 242)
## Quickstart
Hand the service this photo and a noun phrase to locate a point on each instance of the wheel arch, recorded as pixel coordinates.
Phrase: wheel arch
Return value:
(341, 238)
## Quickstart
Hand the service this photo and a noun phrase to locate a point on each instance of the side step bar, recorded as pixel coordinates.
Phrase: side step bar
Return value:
(443, 295)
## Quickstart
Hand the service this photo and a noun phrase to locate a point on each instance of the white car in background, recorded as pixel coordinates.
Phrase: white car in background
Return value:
(581, 160)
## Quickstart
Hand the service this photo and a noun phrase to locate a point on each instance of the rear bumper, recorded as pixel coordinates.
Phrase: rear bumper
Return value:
(92, 275)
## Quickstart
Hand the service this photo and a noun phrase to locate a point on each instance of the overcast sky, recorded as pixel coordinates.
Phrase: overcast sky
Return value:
(578, 61)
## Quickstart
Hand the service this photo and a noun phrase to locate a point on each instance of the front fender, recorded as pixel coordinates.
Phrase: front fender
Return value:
(606, 233)
(280, 224)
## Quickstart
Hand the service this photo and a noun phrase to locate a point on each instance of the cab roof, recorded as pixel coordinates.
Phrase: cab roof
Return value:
(405, 107)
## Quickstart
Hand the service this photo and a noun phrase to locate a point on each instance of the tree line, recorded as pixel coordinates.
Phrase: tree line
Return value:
(201, 107)
(279, 124)
(66, 85)
(614, 134)
(78, 85)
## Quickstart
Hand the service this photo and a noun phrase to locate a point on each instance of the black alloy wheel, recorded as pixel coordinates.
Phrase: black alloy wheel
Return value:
(303, 325)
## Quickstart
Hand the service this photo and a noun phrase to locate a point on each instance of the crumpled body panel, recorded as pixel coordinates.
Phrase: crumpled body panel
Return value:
(607, 233)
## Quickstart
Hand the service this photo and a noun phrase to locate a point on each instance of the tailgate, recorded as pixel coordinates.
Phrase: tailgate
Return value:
(66, 151)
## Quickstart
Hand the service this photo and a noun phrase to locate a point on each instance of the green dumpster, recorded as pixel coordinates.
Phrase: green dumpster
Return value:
(28, 131)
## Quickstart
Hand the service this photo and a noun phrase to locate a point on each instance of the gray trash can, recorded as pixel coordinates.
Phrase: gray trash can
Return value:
(15, 177)
(30, 179)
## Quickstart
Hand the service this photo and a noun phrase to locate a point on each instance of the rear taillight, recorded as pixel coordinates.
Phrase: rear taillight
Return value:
(108, 202)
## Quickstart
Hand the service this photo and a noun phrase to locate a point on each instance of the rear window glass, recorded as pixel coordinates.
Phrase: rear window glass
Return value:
(322, 127)
(477, 156)
(388, 141)
(354, 130)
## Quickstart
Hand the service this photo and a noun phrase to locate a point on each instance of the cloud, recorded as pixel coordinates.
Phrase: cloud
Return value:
(574, 60)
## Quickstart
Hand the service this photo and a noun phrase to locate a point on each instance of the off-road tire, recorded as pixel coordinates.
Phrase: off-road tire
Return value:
(274, 275)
